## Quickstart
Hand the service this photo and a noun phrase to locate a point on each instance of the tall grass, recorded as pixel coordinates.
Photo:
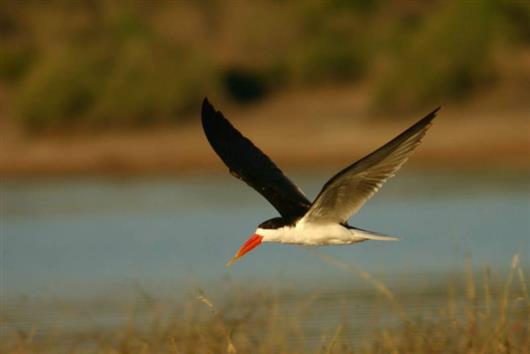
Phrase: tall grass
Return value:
(484, 313)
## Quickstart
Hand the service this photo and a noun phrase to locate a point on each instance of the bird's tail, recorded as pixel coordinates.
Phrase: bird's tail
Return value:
(371, 235)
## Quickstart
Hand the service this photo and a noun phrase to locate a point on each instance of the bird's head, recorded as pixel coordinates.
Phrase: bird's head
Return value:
(265, 232)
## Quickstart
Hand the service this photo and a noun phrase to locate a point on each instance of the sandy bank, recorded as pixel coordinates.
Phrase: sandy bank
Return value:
(298, 132)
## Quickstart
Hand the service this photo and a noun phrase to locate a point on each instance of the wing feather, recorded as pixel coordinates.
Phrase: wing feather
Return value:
(346, 192)
(248, 163)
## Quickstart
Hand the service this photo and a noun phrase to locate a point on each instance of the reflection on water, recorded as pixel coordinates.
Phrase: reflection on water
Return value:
(82, 238)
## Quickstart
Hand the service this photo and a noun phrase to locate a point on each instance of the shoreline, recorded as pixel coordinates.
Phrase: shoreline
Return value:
(298, 133)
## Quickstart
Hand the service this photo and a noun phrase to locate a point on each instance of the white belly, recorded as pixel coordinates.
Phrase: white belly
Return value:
(312, 235)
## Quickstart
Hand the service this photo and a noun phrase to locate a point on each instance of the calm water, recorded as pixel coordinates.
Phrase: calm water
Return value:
(105, 238)
(67, 237)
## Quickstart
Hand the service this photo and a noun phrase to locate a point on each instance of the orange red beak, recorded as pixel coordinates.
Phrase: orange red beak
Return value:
(253, 241)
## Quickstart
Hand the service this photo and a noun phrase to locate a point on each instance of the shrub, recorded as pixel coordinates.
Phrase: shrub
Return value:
(326, 58)
(149, 82)
(243, 85)
(60, 90)
(447, 58)
(15, 60)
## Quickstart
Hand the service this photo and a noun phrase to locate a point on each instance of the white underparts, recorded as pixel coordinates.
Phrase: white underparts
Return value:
(312, 234)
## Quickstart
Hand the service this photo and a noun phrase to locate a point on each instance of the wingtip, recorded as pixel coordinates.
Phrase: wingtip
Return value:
(207, 110)
(433, 113)
(205, 103)
(429, 117)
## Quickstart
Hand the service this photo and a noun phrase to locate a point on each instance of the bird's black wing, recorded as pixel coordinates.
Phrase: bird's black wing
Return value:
(248, 163)
(348, 190)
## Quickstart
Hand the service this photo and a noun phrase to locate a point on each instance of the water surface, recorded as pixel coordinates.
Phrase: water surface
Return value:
(84, 253)
(66, 237)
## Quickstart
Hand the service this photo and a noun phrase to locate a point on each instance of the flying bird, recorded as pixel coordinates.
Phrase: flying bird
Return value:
(325, 221)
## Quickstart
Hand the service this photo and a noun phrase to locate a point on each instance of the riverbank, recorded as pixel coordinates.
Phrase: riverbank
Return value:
(328, 128)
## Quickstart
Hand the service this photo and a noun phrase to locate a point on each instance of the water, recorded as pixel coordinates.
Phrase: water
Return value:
(75, 235)
(86, 237)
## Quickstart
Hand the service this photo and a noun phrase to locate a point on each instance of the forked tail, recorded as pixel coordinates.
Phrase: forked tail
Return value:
(371, 235)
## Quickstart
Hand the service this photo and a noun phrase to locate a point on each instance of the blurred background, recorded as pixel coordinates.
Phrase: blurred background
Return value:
(111, 195)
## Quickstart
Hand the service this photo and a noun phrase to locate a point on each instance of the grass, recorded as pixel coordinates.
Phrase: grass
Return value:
(481, 313)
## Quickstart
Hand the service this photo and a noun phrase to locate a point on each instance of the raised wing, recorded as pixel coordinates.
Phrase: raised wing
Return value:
(246, 162)
(347, 191)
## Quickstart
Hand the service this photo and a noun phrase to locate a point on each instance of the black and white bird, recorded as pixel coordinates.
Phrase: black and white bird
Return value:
(325, 221)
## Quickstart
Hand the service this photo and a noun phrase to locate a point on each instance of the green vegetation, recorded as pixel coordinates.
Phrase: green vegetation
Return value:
(482, 313)
(450, 56)
(98, 64)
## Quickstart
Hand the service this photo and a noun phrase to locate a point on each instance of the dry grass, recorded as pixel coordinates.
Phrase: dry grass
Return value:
(484, 313)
